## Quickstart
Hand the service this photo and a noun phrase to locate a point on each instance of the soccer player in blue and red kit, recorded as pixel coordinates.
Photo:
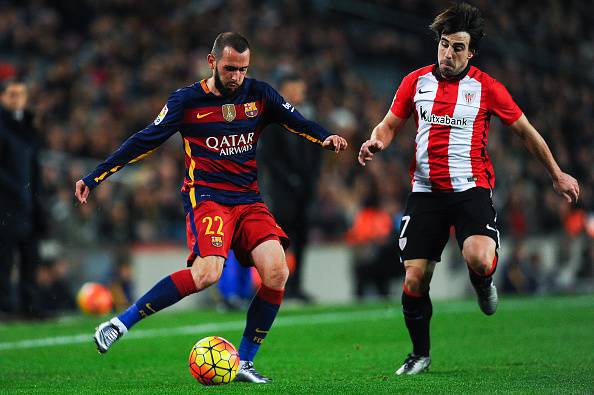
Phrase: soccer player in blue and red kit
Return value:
(220, 120)
(452, 176)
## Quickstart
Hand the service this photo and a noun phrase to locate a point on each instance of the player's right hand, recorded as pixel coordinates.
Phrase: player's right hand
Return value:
(81, 191)
(368, 149)
(567, 186)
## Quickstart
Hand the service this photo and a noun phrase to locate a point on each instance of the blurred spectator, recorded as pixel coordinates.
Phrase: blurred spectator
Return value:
(521, 272)
(121, 283)
(376, 261)
(21, 214)
(53, 287)
(291, 167)
(585, 272)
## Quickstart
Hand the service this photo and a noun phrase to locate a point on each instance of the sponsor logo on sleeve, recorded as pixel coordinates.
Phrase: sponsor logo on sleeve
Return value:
(161, 115)
(289, 106)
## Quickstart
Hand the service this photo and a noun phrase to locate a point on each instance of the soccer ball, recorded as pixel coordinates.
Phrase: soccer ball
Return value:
(95, 299)
(214, 361)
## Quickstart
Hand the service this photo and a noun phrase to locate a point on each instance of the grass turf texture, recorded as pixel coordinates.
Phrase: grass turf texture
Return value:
(540, 345)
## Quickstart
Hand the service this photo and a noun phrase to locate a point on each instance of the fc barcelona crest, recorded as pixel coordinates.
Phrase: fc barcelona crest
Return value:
(250, 109)
(229, 112)
(216, 241)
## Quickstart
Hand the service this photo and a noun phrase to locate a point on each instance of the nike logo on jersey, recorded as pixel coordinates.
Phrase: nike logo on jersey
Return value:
(420, 92)
(258, 330)
(200, 116)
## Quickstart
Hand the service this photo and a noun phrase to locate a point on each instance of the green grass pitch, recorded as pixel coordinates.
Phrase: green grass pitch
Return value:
(538, 345)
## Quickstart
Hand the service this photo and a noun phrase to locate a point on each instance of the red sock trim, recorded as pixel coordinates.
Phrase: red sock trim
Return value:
(493, 265)
(184, 282)
(411, 293)
(273, 296)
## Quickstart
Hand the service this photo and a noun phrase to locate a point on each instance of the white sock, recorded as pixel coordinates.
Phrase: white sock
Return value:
(116, 321)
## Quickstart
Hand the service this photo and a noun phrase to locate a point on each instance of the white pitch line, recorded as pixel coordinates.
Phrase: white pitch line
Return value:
(325, 318)
(297, 320)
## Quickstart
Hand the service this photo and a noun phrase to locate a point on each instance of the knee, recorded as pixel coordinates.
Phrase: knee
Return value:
(205, 278)
(479, 259)
(206, 273)
(417, 280)
(276, 275)
(479, 254)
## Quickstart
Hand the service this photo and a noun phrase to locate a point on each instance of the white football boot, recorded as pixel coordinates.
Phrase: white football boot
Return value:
(414, 364)
(107, 333)
(248, 374)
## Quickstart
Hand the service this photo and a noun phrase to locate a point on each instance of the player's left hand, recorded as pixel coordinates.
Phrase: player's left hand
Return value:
(567, 186)
(335, 143)
(81, 191)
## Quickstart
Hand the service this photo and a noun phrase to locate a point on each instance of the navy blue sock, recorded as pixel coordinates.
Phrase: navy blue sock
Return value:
(260, 316)
(166, 292)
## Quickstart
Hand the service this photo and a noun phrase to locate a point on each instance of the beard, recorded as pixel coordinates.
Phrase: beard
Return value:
(226, 92)
(447, 71)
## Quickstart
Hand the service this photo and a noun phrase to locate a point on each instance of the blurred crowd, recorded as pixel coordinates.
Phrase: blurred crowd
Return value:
(99, 71)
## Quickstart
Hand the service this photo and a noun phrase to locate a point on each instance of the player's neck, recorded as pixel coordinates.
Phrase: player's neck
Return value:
(212, 88)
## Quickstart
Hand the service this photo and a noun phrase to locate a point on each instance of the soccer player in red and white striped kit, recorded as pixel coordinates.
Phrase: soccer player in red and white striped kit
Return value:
(452, 176)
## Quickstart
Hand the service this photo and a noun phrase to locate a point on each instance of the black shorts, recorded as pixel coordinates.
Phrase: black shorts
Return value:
(425, 226)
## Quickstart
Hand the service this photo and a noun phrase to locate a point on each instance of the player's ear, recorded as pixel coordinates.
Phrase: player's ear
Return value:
(211, 61)
(471, 53)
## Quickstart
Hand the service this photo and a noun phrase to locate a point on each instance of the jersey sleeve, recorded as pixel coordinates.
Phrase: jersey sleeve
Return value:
(142, 143)
(501, 104)
(402, 104)
(283, 113)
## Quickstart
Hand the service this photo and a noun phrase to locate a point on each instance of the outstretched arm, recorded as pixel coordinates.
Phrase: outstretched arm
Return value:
(563, 183)
(137, 147)
(381, 137)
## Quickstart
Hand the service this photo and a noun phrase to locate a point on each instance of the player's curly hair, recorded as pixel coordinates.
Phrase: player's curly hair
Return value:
(229, 39)
(461, 17)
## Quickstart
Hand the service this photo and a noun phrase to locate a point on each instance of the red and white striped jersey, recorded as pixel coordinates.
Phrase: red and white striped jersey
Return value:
(452, 118)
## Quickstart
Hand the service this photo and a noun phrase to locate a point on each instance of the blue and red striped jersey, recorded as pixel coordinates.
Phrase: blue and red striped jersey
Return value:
(219, 135)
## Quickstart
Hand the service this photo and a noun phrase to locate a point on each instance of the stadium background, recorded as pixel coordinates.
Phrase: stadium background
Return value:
(99, 71)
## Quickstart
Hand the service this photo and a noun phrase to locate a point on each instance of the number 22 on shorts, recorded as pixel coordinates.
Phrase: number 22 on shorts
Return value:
(216, 238)
(209, 222)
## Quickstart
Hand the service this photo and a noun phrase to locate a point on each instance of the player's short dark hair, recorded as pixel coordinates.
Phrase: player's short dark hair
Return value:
(229, 39)
(461, 17)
